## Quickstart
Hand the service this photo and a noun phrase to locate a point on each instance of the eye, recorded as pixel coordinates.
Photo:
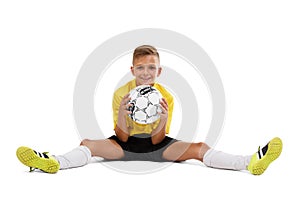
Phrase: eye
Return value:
(139, 67)
(152, 67)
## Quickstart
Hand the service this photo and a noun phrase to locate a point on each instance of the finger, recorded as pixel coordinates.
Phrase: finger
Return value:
(163, 104)
(163, 109)
(127, 95)
(125, 99)
(129, 112)
(164, 101)
(129, 105)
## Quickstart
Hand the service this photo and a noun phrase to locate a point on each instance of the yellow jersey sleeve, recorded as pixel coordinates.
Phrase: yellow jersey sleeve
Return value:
(116, 104)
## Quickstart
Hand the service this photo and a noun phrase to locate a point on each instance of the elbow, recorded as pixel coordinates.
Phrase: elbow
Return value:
(158, 137)
(157, 140)
(123, 136)
(154, 142)
(123, 139)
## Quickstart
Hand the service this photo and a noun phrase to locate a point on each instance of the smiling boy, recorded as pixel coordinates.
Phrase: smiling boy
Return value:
(133, 141)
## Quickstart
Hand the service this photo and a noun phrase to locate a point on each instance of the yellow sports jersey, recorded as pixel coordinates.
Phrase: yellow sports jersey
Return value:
(133, 127)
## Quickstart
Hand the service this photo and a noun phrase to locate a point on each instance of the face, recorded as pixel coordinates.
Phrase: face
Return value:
(146, 69)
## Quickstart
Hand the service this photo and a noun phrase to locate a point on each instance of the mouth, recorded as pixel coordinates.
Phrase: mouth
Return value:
(146, 79)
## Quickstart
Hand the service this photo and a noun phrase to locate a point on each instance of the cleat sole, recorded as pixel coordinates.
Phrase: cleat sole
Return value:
(30, 159)
(273, 152)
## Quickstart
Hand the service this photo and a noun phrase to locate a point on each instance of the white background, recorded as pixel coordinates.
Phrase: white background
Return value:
(254, 45)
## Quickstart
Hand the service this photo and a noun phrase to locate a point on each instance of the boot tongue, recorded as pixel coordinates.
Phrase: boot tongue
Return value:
(265, 149)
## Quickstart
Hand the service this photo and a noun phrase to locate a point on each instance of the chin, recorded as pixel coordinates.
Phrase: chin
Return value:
(146, 83)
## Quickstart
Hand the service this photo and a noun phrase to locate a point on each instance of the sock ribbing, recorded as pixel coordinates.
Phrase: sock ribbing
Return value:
(78, 157)
(221, 160)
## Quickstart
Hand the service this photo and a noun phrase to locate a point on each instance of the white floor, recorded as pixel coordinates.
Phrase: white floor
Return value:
(187, 180)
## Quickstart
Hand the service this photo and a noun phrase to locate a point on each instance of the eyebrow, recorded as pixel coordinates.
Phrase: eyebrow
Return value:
(139, 64)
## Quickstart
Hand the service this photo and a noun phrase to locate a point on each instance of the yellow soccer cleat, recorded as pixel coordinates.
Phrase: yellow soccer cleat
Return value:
(263, 158)
(36, 160)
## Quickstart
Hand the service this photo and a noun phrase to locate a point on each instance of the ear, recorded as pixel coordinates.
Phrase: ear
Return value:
(159, 71)
(132, 70)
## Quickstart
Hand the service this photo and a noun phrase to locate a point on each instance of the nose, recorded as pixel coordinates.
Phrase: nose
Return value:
(146, 71)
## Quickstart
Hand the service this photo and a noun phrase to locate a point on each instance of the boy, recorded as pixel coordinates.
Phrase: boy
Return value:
(133, 141)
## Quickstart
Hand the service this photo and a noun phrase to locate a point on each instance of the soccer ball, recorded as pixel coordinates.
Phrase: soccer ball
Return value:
(145, 104)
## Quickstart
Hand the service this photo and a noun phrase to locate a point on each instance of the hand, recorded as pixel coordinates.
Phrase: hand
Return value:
(164, 109)
(124, 105)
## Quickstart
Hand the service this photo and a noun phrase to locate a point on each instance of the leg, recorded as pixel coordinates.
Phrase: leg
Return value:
(81, 155)
(107, 149)
(255, 164)
(181, 151)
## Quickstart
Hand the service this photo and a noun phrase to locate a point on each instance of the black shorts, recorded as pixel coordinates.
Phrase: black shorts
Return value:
(140, 147)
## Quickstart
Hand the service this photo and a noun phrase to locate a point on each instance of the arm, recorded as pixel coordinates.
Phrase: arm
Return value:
(159, 133)
(121, 128)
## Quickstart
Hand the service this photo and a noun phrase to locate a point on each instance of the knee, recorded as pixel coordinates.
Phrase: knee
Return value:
(84, 142)
(203, 148)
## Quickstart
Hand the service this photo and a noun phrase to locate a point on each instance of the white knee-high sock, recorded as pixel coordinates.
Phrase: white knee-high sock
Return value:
(76, 158)
(221, 160)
